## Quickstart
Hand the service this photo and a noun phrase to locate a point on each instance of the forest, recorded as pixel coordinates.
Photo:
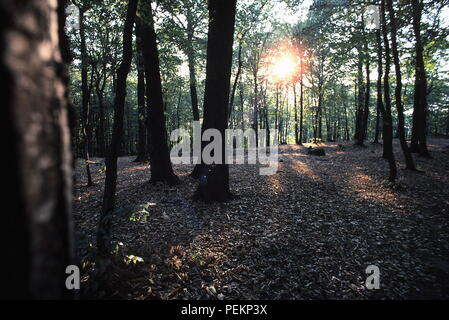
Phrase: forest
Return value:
(226, 149)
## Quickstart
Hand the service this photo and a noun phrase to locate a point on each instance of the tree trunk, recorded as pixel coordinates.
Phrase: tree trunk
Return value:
(87, 125)
(191, 62)
(398, 90)
(237, 76)
(386, 111)
(301, 103)
(117, 133)
(242, 105)
(256, 104)
(101, 127)
(367, 92)
(142, 150)
(37, 232)
(419, 144)
(318, 118)
(214, 179)
(377, 128)
(359, 133)
(161, 167)
(296, 115)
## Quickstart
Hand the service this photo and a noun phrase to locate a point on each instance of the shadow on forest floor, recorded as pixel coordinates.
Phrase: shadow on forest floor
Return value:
(307, 232)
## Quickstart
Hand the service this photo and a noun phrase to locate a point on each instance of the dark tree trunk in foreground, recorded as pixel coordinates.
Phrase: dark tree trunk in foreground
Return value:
(117, 133)
(37, 231)
(214, 179)
(398, 90)
(161, 167)
(142, 150)
(419, 144)
(387, 129)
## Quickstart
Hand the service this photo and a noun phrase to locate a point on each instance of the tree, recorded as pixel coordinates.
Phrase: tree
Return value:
(36, 115)
(117, 134)
(214, 179)
(387, 129)
(419, 143)
(398, 90)
(142, 145)
(161, 167)
(103, 37)
(187, 16)
(86, 91)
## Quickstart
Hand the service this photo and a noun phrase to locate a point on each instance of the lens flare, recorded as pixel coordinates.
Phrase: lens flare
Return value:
(283, 67)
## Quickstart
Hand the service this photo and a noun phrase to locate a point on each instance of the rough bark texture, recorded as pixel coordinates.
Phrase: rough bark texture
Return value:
(214, 179)
(117, 133)
(38, 229)
(161, 167)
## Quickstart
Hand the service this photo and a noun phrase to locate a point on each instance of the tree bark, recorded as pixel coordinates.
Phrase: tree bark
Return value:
(237, 76)
(296, 115)
(142, 150)
(419, 143)
(37, 233)
(191, 62)
(359, 133)
(214, 179)
(301, 102)
(161, 167)
(367, 92)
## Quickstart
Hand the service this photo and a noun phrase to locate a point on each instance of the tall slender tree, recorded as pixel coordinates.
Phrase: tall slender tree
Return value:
(387, 128)
(191, 24)
(398, 90)
(85, 90)
(117, 133)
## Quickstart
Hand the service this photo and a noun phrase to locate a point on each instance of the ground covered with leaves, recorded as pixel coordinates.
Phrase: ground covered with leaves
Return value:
(307, 232)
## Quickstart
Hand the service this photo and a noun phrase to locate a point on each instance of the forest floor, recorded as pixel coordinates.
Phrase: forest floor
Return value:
(307, 232)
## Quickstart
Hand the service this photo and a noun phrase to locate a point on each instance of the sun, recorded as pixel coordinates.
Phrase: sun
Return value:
(283, 67)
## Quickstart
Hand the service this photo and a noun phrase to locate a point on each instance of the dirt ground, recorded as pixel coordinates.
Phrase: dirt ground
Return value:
(307, 232)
